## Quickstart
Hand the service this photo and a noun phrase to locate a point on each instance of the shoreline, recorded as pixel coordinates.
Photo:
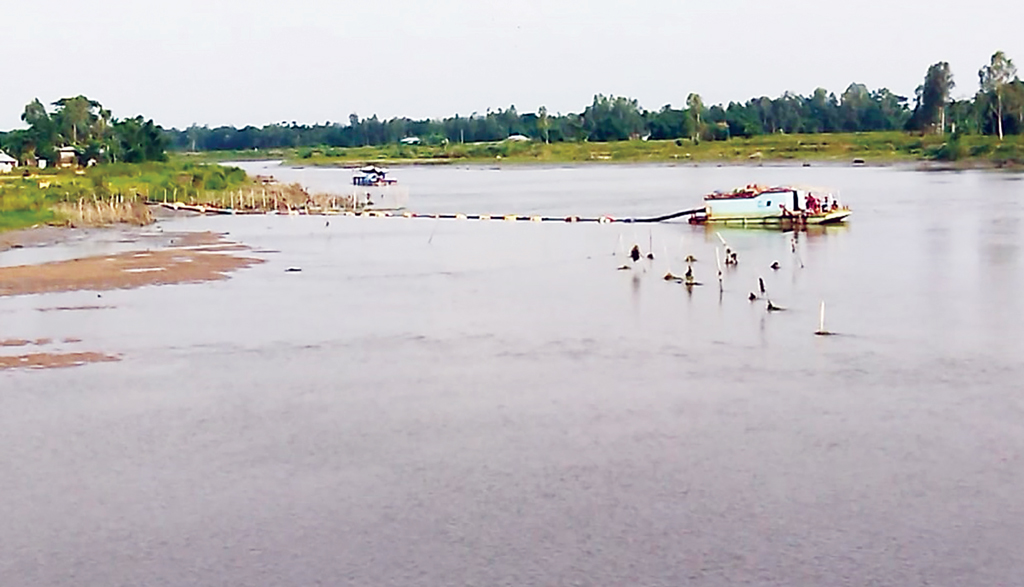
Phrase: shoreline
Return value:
(847, 148)
(148, 260)
(912, 165)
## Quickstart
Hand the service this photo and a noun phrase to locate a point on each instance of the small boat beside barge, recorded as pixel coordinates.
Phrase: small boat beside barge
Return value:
(776, 206)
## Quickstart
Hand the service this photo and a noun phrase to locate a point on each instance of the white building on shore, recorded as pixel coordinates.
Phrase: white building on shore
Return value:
(67, 156)
(7, 163)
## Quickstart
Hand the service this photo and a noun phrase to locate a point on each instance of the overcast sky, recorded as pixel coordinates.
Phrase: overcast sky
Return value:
(256, 62)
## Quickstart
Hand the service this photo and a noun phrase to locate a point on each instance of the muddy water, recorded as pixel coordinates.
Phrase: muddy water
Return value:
(466, 403)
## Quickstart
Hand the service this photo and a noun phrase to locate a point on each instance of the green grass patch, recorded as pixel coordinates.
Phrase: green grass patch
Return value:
(15, 219)
(26, 200)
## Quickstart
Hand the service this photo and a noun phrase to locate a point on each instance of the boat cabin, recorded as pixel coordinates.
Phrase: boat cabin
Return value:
(372, 176)
(756, 203)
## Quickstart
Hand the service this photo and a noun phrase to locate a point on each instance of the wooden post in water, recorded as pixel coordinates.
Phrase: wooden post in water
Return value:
(718, 261)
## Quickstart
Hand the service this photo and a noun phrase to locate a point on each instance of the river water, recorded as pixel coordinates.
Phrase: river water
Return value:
(434, 402)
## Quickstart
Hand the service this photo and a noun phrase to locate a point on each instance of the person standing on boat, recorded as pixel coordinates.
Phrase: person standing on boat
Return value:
(813, 205)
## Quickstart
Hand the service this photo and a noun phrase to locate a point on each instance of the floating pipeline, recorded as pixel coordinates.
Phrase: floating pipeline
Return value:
(205, 209)
(525, 218)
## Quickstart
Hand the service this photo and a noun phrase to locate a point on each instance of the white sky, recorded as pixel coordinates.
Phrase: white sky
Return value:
(256, 62)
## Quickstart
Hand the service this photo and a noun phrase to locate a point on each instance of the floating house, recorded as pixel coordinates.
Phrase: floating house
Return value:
(372, 189)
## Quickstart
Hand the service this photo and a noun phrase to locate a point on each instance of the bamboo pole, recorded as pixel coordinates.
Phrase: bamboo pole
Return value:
(718, 262)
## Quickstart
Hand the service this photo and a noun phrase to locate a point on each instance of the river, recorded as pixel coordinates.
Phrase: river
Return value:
(445, 402)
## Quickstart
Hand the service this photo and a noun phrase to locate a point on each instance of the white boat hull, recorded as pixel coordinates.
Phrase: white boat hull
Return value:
(776, 206)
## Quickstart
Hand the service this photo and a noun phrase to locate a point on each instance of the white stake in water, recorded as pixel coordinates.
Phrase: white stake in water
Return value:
(821, 322)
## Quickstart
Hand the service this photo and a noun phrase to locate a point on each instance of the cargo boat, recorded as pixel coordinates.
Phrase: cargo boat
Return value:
(761, 205)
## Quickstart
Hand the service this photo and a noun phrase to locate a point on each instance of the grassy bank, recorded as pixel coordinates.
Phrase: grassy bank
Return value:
(14, 219)
(878, 147)
(108, 193)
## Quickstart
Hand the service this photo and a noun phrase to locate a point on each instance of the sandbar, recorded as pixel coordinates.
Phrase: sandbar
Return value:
(54, 360)
(193, 257)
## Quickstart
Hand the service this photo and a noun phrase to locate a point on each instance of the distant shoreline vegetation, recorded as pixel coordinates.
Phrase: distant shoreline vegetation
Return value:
(870, 148)
(996, 109)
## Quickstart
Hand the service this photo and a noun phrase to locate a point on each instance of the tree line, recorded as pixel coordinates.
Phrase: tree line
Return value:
(89, 129)
(997, 108)
(607, 118)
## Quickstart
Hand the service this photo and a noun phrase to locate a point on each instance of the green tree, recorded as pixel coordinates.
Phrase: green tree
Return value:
(668, 123)
(888, 111)
(743, 120)
(543, 124)
(40, 140)
(932, 97)
(822, 112)
(695, 105)
(139, 140)
(78, 119)
(994, 79)
(788, 110)
(854, 105)
(611, 118)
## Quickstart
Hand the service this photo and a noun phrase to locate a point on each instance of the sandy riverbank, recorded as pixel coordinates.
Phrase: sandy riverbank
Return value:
(153, 259)
(189, 258)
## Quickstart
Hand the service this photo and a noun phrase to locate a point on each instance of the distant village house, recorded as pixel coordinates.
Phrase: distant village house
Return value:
(67, 157)
(7, 163)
